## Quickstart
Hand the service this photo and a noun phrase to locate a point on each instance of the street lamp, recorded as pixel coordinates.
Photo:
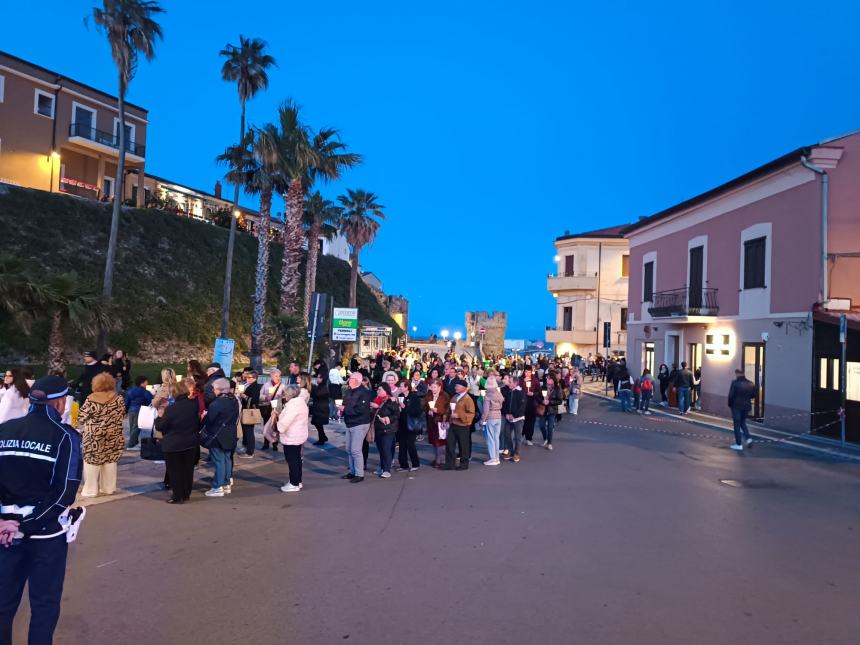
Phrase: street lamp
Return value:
(414, 328)
(457, 335)
(445, 334)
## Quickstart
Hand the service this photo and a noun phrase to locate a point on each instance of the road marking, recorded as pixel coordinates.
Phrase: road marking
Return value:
(104, 564)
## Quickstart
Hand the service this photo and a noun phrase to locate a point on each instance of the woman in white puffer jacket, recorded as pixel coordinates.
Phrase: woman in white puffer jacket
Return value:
(293, 432)
(16, 400)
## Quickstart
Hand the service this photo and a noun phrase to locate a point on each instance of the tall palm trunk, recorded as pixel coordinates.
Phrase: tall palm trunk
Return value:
(353, 276)
(107, 288)
(292, 250)
(262, 281)
(311, 268)
(56, 344)
(231, 241)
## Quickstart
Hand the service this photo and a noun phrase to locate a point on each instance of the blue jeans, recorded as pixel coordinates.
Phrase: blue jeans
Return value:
(491, 433)
(354, 441)
(739, 419)
(223, 462)
(646, 400)
(385, 446)
(547, 425)
(683, 399)
(626, 399)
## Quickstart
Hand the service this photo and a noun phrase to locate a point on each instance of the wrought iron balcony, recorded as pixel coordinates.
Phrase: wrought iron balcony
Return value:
(85, 131)
(677, 303)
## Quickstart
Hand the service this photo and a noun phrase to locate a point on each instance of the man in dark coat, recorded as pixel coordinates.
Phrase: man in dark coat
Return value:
(84, 385)
(221, 424)
(741, 393)
(213, 373)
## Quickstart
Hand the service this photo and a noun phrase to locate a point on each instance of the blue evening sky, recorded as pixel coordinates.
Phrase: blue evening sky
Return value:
(489, 128)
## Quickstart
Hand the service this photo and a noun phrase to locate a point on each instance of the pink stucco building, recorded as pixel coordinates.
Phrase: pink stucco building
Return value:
(738, 277)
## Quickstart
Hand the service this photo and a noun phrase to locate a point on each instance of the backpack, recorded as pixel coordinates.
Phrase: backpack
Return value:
(647, 385)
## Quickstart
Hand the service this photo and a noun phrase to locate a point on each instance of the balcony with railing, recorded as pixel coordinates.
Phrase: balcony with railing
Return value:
(571, 282)
(684, 302)
(86, 135)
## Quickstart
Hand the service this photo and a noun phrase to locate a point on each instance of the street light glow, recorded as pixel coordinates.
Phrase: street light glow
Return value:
(457, 335)
(445, 333)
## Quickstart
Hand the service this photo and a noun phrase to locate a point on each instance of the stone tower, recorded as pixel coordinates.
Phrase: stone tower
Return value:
(494, 325)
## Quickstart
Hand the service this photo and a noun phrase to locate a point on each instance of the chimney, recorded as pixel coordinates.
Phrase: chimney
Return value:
(218, 189)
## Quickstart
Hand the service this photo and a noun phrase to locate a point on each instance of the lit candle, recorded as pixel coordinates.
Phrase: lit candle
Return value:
(338, 402)
(483, 393)
(543, 392)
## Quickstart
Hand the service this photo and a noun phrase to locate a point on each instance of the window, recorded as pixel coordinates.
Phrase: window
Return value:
(625, 266)
(834, 380)
(648, 282)
(129, 134)
(623, 318)
(568, 265)
(43, 103)
(822, 373)
(2, 88)
(108, 187)
(567, 317)
(83, 121)
(754, 261)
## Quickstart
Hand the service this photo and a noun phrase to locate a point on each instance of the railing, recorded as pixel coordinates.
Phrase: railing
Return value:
(85, 131)
(684, 302)
(565, 274)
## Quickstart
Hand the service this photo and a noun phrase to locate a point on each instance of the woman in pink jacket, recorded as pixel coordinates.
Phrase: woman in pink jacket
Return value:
(293, 432)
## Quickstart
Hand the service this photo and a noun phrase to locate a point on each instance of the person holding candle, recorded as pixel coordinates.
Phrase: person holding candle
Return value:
(293, 432)
(385, 424)
(462, 415)
(438, 412)
(270, 396)
(552, 398)
(531, 386)
(249, 395)
(357, 416)
(491, 416)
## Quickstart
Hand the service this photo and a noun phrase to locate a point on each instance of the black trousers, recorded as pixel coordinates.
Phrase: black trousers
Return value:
(531, 416)
(293, 456)
(458, 436)
(180, 472)
(321, 431)
(407, 450)
(365, 450)
(41, 564)
(248, 439)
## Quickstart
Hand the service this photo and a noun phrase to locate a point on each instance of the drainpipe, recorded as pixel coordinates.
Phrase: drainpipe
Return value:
(823, 296)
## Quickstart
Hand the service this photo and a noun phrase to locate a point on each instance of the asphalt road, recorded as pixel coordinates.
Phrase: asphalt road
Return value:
(621, 535)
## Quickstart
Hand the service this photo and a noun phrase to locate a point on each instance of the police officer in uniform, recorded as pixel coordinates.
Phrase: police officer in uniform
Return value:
(40, 471)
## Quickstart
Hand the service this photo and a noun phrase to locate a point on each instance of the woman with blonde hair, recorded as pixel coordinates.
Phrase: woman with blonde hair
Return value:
(491, 418)
(100, 421)
(167, 391)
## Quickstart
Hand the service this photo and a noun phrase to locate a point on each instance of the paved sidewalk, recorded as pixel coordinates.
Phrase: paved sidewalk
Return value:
(758, 430)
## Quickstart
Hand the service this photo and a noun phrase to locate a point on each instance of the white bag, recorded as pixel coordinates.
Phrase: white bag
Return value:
(443, 429)
(146, 417)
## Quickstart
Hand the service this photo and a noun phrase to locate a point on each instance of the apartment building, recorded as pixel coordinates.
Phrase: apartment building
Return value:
(743, 277)
(60, 135)
(590, 288)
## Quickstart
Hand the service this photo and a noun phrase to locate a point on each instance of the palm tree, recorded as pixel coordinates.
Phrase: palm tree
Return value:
(321, 217)
(359, 223)
(247, 66)
(289, 147)
(131, 31)
(70, 301)
(248, 167)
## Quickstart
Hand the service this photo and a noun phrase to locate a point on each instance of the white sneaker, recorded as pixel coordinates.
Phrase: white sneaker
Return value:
(492, 462)
(289, 488)
(748, 442)
(301, 485)
(413, 469)
(545, 443)
(385, 475)
(647, 411)
(378, 472)
(231, 482)
(529, 443)
(549, 446)
(737, 446)
(245, 455)
(214, 492)
(228, 489)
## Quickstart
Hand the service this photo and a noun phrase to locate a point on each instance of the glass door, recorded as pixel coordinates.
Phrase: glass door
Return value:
(694, 356)
(753, 367)
(648, 356)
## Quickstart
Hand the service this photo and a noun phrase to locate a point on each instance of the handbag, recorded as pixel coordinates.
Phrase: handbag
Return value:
(270, 431)
(146, 417)
(150, 449)
(443, 429)
(251, 417)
